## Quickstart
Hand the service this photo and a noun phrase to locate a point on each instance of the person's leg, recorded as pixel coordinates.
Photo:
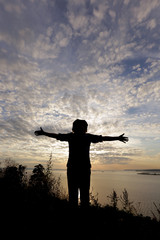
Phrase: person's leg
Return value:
(72, 187)
(85, 187)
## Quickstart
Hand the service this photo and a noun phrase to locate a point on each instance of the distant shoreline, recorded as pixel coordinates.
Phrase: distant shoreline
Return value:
(150, 172)
(147, 173)
(143, 170)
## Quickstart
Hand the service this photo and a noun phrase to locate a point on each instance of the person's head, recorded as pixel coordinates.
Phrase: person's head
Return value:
(79, 126)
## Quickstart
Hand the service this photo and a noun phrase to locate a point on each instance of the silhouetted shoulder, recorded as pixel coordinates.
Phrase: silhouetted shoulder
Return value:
(94, 138)
(64, 136)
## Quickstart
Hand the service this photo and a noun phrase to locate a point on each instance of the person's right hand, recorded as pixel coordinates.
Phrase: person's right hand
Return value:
(39, 132)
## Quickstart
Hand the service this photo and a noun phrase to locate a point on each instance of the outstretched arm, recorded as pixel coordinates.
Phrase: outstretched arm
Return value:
(41, 132)
(120, 138)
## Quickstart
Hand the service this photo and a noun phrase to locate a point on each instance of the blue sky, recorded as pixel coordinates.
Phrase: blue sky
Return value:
(97, 60)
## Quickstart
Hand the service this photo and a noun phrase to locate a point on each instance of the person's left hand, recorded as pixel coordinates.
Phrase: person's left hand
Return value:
(123, 139)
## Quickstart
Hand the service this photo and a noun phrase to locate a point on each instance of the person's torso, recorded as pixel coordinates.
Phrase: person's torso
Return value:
(79, 146)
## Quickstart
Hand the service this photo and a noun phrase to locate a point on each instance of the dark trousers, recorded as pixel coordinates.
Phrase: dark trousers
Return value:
(78, 179)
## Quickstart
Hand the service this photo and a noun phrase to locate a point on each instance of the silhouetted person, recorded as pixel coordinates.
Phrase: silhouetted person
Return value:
(78, 166)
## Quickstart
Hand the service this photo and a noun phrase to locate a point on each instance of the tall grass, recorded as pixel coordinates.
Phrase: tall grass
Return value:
(42, 185)
(123, 202)
(37, 204)
(156, 215)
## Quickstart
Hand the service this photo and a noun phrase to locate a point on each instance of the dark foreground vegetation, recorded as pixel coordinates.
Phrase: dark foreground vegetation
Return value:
(35, 207)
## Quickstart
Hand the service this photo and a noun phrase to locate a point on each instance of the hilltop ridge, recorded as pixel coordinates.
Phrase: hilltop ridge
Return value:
(37, 207)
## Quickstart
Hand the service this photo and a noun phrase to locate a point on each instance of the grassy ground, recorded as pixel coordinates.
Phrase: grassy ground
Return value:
(37, 207)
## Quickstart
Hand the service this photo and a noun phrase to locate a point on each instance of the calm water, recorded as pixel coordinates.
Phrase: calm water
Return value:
(143, 190)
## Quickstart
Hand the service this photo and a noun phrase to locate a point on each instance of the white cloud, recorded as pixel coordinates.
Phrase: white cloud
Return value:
(142, 11)
(77, 15)
(126, 2)
(13, 7)
(81, 65)
(112, 14)
(100, 10)
(151, 24)
(78, 21)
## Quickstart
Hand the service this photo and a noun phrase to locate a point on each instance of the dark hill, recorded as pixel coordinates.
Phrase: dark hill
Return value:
(35, 208)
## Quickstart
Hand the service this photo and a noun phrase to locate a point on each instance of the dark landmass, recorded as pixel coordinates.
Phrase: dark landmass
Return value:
(37, 208)
(144, 170)
(149, 173)
(155, 172)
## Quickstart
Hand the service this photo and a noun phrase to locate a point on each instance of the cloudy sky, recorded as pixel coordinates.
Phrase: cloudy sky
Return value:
(97, 60)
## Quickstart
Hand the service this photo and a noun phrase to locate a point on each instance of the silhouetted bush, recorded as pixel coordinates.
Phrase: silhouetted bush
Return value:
(113, 199)
(36, 205)
(156, 215)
